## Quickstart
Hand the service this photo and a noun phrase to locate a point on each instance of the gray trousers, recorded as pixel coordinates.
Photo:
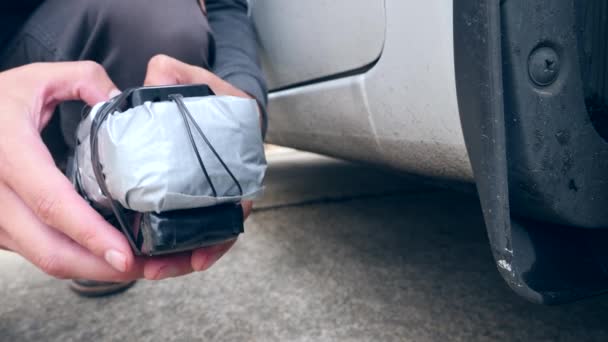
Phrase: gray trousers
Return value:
(121, 35)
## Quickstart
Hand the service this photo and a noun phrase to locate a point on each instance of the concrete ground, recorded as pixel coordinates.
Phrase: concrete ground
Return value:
(335, 252)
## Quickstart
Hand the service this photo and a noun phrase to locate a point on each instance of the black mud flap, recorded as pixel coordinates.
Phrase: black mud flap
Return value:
(532, 82)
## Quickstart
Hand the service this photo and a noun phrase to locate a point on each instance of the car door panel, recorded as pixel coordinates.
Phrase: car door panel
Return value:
(399, 111)
(306, 40)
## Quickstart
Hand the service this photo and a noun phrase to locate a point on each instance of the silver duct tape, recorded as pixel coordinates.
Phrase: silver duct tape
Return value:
(149, 162)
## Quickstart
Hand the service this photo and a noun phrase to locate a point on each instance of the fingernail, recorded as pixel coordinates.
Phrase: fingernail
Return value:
(117, 260)
(114, 93)
(167, 272)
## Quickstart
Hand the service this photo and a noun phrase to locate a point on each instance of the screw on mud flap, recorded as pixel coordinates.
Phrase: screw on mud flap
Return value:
(543, 66)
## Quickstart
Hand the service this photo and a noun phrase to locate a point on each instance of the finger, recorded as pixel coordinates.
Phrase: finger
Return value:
(86, 81)
(204, 258)
(161, 71)
(6, 243)
(247, 208)
(171, 266)
(49, 250)
(165, 70)
(37, 88)
(53, 199)
(164, 267)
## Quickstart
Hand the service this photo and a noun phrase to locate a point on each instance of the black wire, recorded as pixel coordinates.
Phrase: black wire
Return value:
(117, 208)
(178, 100)
(185, 112)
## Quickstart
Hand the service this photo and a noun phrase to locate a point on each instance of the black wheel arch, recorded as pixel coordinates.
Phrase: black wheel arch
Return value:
(545, 230)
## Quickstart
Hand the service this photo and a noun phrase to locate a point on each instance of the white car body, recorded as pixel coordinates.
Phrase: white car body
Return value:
(352, 79)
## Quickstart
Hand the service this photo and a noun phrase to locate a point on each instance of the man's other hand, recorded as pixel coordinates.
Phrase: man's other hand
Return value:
(165, 70)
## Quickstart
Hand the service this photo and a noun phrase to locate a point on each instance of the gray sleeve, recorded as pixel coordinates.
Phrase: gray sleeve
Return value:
(234, 51)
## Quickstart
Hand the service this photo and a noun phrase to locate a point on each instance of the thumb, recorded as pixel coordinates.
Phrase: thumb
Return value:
(66, 81)
(165, 70)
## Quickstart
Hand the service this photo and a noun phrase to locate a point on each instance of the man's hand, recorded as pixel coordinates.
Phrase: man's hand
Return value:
(165, 70)
(42, 217)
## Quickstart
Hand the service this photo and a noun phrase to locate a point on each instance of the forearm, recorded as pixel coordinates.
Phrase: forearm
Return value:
(234, 52)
